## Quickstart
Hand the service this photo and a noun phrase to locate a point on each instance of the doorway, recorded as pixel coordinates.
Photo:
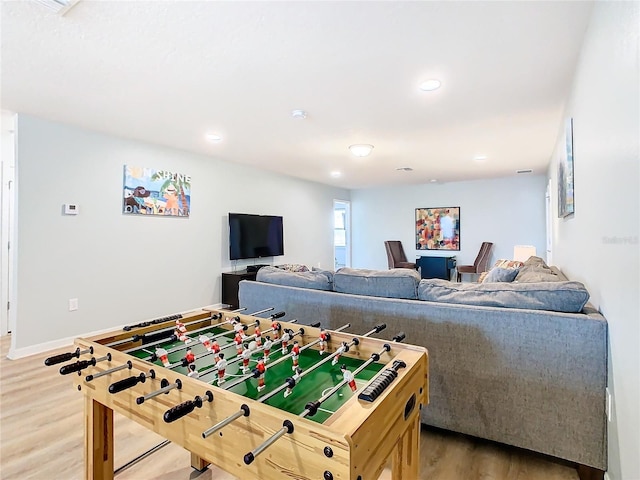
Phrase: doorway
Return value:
(341, 234)
(7, 224)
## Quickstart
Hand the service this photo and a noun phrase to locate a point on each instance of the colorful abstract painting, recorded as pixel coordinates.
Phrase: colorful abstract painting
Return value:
(156, 192)
(438, 228)
(565, 174)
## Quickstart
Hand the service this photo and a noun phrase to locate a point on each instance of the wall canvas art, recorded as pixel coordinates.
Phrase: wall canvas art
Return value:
(438, 228)
(156, 192)
(565, 174)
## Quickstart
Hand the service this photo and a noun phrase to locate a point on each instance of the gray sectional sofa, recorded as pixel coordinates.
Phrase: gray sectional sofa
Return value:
(505, 364)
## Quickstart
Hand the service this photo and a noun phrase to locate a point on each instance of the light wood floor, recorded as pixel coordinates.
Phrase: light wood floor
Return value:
(41, 438)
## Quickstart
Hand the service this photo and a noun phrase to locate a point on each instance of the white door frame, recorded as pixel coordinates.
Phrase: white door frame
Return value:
(8, 212)
(347, 227)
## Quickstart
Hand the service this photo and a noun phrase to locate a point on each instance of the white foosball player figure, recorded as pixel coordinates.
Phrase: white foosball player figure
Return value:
(181, 332)
(238, 327)
(348, 377)
(296, 377)
(193, 372)
(285, 342)
(163, 355)
(340, 351)
(221, 365)
(266, 348)
(323, 340)
(205, 341)
(246, 356)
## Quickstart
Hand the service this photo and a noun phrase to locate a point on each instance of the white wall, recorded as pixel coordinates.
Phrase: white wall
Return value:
(599, 245)
(126, 268)
(507, 211)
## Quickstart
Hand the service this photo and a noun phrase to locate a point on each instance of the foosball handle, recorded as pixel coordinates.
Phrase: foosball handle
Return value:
(278, 315)
(64, 357)
(76, 367)
(315, 325)
(129, 382)
(181, 410)
(379, 328)
(399, 337)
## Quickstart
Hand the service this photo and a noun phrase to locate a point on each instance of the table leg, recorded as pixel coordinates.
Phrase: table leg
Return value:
(98, 435)
(406, 454)
(199, 463)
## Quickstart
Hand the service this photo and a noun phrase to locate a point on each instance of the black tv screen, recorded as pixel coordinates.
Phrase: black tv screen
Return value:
(255, 236)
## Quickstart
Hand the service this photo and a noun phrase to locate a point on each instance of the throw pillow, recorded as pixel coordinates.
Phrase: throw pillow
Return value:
(499, 274)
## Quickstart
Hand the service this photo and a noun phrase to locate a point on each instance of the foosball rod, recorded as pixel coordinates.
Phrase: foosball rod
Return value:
(281, 359)
(207, 353)
(82, 364)
(237, 358)
(65, 357)
(127, 365)
(166, 387)
(243, 412)
(155, 333)
(312, 407)
(346, 345)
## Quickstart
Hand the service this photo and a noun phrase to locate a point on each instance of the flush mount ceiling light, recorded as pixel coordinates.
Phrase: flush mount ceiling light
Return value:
(361, 149)
(434, 180)
(430, 85)
(299, 114)
(213, 137)
(404, 169)
(480, 158)
(336, 174)
(58, 6)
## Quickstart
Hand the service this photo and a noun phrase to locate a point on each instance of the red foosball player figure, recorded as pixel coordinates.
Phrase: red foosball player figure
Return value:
(238, 341)
(258, 335)
(292, 383)
(221, 365)
(266, 348)
(285, 342)
(260, 369)
(163, 355)
(215, 348)
(276, 330)
(205, 341)
(246, 356)
(193, 372)
(295, 354)
(323, 340)
(189, 357)
(348, 377)
(339, 352)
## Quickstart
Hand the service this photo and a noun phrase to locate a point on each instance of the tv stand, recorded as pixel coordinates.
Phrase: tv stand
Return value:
(230, 282)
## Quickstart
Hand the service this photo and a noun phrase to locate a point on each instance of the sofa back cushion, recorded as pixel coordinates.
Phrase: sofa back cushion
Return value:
(569, 297)
(394, 283)
(318, 280)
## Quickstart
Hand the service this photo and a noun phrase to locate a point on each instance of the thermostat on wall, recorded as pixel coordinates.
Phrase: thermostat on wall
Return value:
(70, 209)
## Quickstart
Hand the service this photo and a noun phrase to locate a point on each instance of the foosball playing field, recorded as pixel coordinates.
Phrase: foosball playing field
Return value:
(259, 396)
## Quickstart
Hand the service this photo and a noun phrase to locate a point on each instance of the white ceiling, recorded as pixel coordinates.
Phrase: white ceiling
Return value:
(167, 72)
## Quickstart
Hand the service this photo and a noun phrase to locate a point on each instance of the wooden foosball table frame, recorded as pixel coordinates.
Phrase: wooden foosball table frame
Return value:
(357, 442)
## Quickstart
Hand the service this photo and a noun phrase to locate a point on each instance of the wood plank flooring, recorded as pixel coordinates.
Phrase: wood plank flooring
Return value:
(41, 438)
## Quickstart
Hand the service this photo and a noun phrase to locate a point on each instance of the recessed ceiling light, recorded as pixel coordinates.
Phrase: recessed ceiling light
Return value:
(430, 85)
(404, 169)
(336, 174)
(299, 114)
(480, 158)
(434, 180)
(361, 149)
(213, 137)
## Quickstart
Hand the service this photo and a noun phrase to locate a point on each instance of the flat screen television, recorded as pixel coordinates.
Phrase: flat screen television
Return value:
(255, 236)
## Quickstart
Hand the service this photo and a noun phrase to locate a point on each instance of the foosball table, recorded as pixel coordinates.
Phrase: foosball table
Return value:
(260, 397)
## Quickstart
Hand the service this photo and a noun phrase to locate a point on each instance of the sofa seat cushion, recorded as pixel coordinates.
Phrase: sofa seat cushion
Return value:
(568, 297)
(320, 280)
(394, 283)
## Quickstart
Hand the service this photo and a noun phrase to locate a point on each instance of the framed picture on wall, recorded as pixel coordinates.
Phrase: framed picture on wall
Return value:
(438, 228)
(565, 173)
(148, 191)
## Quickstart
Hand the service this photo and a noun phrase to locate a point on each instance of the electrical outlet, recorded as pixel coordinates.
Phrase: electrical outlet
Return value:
(73, 304)
(608, 404)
